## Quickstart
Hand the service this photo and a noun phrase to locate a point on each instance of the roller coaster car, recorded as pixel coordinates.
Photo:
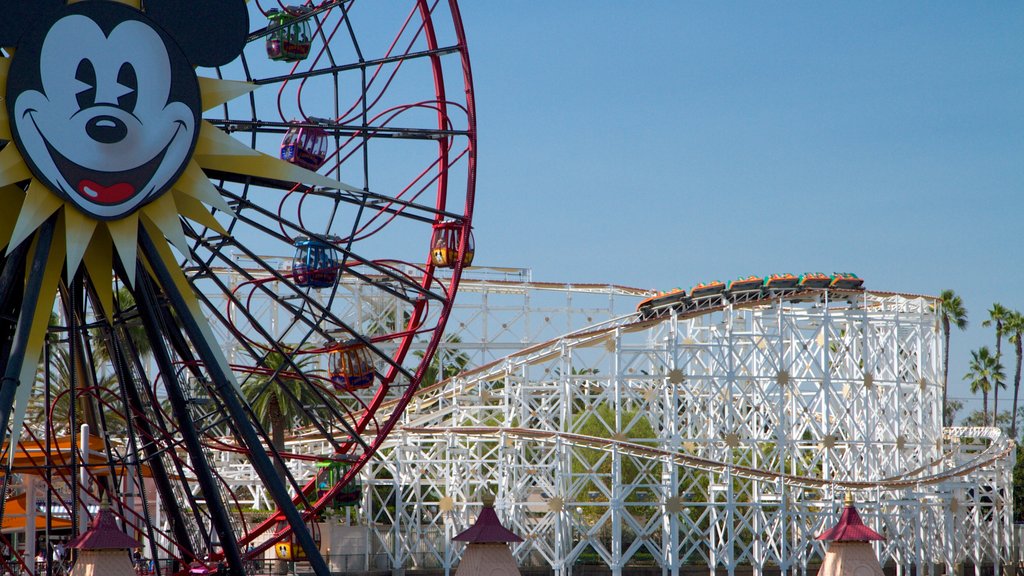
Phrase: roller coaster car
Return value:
(330, 475)
(305, 146)
(780, 281)
(315, 264)
(846, 281)
(290, 35)
(351, 367)
(748, 284)
(713, 288)
(814, 280)
(290, 549)
(444, 246)
(662, 300)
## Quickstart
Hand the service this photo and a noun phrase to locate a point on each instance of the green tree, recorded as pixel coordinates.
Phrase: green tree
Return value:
(984, 374)
(599, 422)
(953, 313)
(1014, 326)
(979, 418)
(997, 316)
(103, 399)
(448, 361)
(125, 314)
(280, 398)
(952, 408)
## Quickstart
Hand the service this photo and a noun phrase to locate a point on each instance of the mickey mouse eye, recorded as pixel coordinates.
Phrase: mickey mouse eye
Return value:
(128, 78)
(86, 74)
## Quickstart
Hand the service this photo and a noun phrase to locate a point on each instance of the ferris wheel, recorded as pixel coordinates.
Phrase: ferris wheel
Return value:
(154, 158)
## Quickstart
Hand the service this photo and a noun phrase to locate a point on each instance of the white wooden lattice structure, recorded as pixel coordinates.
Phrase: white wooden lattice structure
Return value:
(725, 438)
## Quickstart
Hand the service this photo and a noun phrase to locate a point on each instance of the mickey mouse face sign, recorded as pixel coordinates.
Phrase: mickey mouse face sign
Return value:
(104, 104)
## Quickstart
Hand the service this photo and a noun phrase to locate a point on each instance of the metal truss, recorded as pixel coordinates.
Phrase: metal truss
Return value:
(724, 438)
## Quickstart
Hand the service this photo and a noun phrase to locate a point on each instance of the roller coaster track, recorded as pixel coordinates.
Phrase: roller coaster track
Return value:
(590, 335)
(997, 445)
(998, 448)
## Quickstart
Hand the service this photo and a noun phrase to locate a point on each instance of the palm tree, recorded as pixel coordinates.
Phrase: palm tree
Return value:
(952, 312)
(124, 304)
(1014, 326)
(59, 369)
(997, 315)
(280, 399)
(985, 373)
(60, 383)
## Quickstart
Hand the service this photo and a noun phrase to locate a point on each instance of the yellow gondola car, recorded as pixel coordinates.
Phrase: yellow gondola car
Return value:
(290, 550)
(444, 246)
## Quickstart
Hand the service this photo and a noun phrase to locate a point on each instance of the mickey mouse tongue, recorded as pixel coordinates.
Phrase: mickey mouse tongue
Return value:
(112, 194)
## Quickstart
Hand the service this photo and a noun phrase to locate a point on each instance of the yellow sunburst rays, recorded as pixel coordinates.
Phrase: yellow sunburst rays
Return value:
(79, 238)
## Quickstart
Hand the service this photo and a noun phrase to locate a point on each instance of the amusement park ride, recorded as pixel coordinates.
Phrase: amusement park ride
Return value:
(147, 146)
(226, 402)
(625, 428)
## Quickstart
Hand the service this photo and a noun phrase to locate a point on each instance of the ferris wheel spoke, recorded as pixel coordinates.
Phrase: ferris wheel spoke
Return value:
(145, 295)
(219, 414)
(376, 201)
(343, 419)
(152, 458)
(380, 202)
(350, 433)
(388, 274)
(143, 453)
(324, 314)
(365, 65)
(336, 129)
(242, 424)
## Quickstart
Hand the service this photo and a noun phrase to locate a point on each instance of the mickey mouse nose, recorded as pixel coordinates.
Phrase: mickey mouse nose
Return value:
(106, 129)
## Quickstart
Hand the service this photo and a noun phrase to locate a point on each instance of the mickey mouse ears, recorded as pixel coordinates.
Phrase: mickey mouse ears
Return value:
(209, 32)
(19, 16)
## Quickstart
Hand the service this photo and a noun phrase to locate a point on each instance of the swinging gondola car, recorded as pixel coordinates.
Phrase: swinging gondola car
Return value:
(846, 281)
(780, 281)
(814, 280)
(713, 288)
(305, 146)
(351, 367)
(291, 550)
(745, 285)
(444, 246)
(290, 35)
(315, 264)
(331, 473)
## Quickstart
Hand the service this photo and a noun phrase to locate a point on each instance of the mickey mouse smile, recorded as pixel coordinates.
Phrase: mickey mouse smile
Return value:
(106, 188)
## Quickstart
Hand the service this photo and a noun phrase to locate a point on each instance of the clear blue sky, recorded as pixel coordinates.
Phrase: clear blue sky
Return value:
(663, 143)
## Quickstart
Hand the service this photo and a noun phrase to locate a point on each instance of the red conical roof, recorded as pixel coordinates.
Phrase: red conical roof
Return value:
(103, 534)
(487, 529)
(850, 527)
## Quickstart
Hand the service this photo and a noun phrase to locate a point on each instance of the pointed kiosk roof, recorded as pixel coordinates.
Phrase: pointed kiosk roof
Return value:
(850, 527)
(487, 529)
(103, 534)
